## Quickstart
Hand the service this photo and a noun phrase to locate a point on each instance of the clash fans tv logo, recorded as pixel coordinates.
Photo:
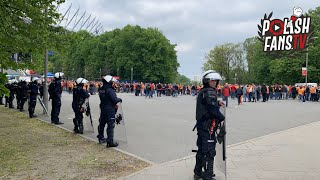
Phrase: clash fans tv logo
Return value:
(287, 34)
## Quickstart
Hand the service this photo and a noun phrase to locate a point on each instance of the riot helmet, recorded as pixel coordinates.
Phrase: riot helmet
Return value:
(35, 80)
(58, 75)
(109, 79)
(81, 81)
(210, 75)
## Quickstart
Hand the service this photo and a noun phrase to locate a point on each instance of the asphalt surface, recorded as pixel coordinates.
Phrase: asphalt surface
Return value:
(160, 129)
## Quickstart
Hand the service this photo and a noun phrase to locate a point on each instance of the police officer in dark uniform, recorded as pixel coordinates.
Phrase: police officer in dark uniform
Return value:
(207, 111)
(22, 93)
(55, 91)
(8, 86)
(33, 92)
(79, 97)
(108, 101)
(41, 89)
(13, 90)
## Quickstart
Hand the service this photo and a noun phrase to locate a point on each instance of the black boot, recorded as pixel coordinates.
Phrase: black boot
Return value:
(75, 129)
(102, 140)
(198, 167)
(80, 124)
(111, 142)
(208, 169)
(81, 128)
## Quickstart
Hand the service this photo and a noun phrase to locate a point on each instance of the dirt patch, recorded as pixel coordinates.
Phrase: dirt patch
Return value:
(31, 149)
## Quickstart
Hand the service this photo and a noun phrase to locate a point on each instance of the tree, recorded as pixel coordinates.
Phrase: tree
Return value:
(228, 60)
(182, 79)
(25, 27)
(147, 51)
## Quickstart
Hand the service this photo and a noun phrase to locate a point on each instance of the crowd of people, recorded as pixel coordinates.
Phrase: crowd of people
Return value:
(244, 93)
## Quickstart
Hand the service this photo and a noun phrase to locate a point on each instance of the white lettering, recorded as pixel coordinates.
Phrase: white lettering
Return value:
(305, 25)
(273, 43)
(266, 45)
(289, 42)
(281, 42)
(298, 23)
(265, 27)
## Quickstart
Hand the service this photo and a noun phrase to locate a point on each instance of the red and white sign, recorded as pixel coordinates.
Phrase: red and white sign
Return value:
(116, 77)
(304, 71)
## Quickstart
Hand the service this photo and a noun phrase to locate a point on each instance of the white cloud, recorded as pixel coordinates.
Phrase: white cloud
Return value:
(184, 47)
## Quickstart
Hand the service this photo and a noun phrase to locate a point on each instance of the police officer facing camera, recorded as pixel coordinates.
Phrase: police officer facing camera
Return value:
(55, 91)
(33, 92)
(79, 97)
(207, 114)
(108, 101)
(22, 93)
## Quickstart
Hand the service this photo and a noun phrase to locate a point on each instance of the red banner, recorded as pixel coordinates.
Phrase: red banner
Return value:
(304, 71)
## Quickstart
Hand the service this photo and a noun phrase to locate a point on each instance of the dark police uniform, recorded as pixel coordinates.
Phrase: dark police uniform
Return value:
(207, 110)
(33, 92)
(22, 94)
(108, 101)
(13, 90)
(55, 91)
(79, 97)
(8, 86)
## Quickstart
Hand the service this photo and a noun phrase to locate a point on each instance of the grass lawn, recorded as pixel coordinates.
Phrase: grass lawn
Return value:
(32, 149)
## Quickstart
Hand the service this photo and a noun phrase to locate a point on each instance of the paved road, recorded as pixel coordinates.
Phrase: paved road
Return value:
(160, 129)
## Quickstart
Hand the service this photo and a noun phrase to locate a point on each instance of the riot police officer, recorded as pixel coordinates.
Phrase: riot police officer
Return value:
(13, 90)
(207, 111)
(108, 101)
(33, 92)
(22, 93)
(55, 91)
(41, 89)
(79, 96)
(8, 86)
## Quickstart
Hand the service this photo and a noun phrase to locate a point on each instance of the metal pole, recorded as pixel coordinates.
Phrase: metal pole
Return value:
(131, 75)
(45, 86)
(307, 67)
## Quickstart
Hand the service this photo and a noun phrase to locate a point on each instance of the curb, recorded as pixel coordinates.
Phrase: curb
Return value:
(94, 140)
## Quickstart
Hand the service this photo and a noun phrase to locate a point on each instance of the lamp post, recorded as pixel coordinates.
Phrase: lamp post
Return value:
(307, 67)
(131, 75)
(307, 56)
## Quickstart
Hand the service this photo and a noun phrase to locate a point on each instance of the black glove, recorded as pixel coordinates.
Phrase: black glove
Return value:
(119, 119)
(120, 100)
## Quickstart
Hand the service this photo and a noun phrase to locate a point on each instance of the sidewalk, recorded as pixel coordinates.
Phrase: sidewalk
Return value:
(287, 155)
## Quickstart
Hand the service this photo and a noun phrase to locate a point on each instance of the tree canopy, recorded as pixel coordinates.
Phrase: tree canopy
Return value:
(146, 50)
(248, 63)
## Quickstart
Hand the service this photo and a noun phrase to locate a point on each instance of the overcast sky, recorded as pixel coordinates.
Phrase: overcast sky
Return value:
(196, 26)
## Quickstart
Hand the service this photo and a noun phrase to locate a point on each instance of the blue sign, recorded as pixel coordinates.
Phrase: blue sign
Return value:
(50, 53)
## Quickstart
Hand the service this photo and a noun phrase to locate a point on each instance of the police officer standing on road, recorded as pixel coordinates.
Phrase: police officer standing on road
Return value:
(33, 92)
(22, 93)
(8, 86)
(108, 101)
(79, 97)
(207, 110)
(55, 91)
(13, 90)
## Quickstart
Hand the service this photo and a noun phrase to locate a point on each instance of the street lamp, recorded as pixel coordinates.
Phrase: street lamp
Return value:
(307, 63)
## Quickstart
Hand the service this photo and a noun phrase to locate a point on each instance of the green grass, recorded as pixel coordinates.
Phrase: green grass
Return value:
(32, 149)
